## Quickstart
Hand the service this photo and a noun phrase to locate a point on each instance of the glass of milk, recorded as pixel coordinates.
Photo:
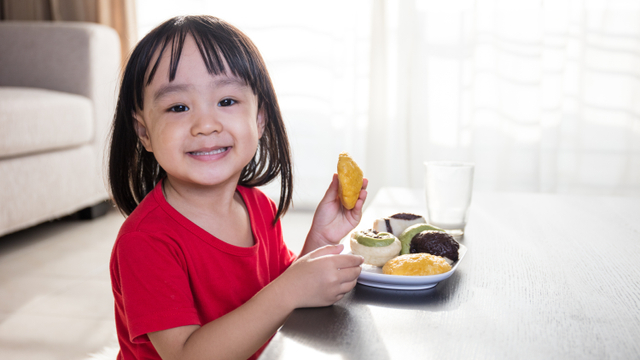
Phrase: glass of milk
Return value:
(448, 186)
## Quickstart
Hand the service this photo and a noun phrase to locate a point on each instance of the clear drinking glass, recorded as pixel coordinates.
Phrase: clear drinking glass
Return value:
(448, 186)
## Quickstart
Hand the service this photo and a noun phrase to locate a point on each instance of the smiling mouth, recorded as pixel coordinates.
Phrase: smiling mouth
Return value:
(212, 152)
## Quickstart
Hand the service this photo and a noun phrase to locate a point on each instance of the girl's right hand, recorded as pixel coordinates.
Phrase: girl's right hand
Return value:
(321, 277)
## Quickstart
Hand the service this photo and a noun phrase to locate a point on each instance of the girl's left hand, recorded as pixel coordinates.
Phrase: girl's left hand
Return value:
(331, 221)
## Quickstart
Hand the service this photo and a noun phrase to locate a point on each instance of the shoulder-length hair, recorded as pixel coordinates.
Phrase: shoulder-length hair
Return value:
(134, 172)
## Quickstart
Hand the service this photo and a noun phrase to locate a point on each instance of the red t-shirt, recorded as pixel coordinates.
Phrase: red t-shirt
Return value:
(167, 272)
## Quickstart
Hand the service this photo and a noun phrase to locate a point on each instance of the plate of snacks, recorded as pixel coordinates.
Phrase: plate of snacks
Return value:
(404, 252)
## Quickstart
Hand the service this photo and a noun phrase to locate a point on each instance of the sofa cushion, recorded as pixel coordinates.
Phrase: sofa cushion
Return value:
(35, 120)
(44, 186)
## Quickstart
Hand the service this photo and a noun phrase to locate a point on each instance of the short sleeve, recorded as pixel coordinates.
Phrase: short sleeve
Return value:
(154, 283)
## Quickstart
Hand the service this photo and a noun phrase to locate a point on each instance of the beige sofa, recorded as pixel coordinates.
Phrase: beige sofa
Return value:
(58, 84)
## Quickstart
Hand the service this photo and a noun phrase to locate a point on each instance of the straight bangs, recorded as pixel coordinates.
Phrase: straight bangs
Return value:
(223, 48)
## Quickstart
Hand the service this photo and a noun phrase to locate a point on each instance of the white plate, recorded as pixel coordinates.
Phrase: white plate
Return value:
(373, 276)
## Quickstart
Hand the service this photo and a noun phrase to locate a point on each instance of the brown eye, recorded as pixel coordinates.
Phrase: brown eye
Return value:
(178, 108)
(226, 102)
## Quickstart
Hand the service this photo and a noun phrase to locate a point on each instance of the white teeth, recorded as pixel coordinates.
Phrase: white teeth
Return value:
(213, 152)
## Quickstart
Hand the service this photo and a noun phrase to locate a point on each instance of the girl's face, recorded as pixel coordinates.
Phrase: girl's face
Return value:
(202, 129)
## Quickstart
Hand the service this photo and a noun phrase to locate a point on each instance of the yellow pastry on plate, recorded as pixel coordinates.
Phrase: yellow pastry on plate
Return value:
(419, 264)
(350, 179)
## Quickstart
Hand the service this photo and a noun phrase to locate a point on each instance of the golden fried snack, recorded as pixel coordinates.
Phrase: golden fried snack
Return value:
(349, 180)
(419, 264)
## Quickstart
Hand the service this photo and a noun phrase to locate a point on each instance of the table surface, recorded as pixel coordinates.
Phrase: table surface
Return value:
(545, 277)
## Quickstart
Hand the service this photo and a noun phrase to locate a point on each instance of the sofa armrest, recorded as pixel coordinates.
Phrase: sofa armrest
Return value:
(70, 57)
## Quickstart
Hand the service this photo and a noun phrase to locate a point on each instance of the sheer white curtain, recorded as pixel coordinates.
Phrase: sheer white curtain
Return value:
(542, 96)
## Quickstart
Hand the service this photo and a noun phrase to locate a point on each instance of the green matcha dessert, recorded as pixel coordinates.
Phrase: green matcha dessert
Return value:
(376, 247)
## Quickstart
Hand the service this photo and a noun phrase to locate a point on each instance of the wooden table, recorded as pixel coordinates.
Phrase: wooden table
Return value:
(545, 277)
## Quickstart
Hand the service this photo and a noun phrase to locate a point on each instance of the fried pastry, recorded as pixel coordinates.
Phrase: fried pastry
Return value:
(349, 180)
(419, 264)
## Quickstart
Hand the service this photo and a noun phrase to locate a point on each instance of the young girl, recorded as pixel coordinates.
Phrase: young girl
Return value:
(199, 268)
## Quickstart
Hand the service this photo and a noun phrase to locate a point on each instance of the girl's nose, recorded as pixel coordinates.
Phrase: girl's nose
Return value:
(206, 123)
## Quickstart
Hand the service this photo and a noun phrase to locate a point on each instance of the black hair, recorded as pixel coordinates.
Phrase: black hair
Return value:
(134, 172)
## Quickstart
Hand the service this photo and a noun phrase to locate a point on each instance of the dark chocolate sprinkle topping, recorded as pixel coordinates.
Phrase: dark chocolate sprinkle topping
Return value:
(436, 243)
(405, 216)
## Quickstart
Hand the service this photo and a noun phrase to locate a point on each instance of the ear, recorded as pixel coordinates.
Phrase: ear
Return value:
(261, 121)
(141, 131)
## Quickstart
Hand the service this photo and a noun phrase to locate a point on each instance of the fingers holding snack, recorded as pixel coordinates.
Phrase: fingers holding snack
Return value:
(365, 182)
(340, 210)
(362, 196)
